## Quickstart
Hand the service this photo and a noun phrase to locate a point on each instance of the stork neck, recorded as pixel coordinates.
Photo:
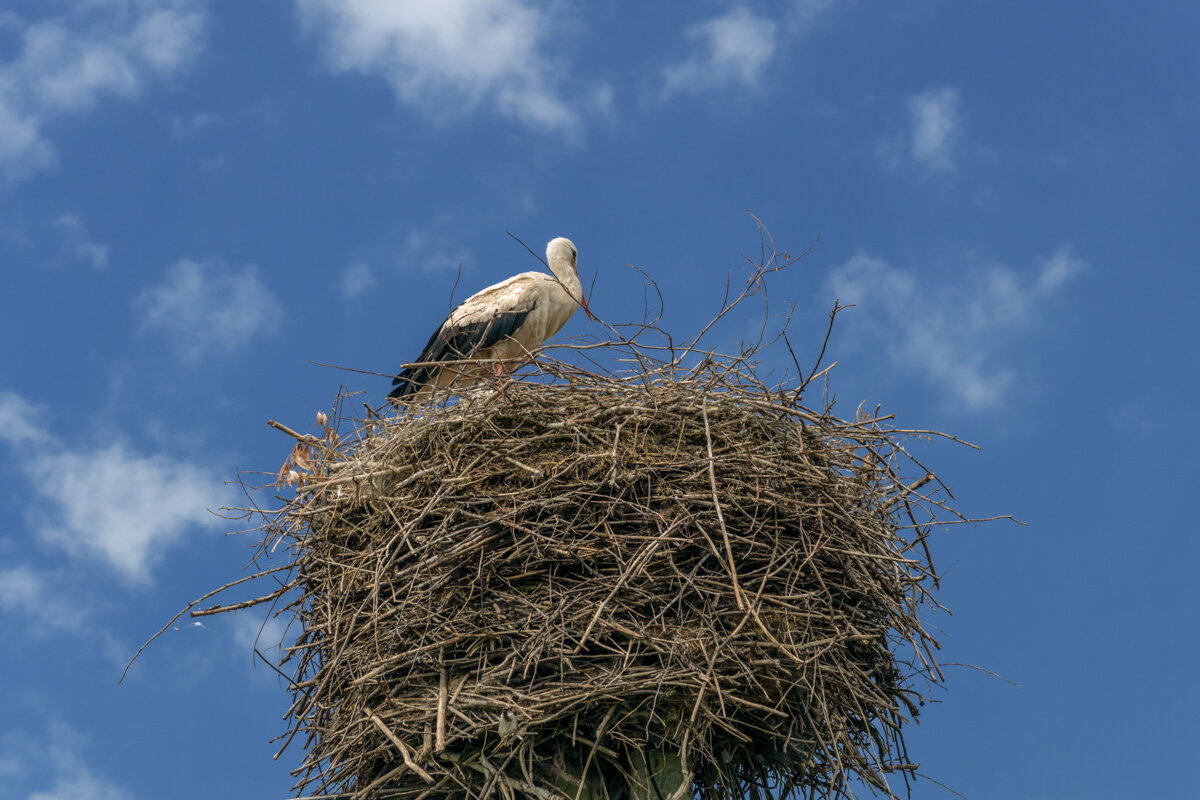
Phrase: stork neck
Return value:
(567, 276)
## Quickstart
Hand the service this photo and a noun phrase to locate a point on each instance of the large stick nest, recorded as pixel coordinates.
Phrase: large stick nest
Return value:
(534, 589)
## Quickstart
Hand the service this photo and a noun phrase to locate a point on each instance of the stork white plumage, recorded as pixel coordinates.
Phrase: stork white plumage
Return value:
(505, 321)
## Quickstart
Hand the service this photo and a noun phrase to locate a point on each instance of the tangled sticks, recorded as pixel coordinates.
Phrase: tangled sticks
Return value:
(679, 580)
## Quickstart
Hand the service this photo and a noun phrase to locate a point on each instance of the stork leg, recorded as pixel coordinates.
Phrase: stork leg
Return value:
(502, 389)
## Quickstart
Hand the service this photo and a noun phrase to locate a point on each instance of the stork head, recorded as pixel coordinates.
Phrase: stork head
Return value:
(563, 259)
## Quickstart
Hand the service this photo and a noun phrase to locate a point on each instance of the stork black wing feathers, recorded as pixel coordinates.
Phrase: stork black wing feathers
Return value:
(454, 342)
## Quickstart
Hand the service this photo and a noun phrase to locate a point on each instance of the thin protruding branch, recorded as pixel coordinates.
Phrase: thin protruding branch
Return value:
(303, 437)
(197, 602)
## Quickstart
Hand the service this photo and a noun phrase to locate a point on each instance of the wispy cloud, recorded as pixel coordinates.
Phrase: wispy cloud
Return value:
(936, 126)
(52, 767)
(730, 50)
(109, 502)
(190, 125)
(251, 630)
(28, 593)
(270, 636)
(78, 245)
(952, 335)
(66, 64)
(204, 308)
(452, 57)
(803, 15)
(34, 596)
(357, 279)
(432, 251)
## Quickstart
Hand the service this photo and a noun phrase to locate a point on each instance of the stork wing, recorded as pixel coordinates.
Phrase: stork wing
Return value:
(478, 322)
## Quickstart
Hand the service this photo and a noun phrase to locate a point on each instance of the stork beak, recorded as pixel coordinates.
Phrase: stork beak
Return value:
(583, 298)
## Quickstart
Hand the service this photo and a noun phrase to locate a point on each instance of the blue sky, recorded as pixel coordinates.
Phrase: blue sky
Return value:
(197, 199)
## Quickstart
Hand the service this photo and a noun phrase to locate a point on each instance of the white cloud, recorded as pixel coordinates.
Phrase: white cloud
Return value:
(356, 279)
(251, 630)
(1058, 269)
(936, 125)
(432, 251)
(66, 64)
(20, 588)
(805, 14)
(54, 759)
(190, 125)
(20, 424)
(950, 334)
(22, 149)
(81, 784)
(451, 57)
(732, 50)
(125, 507)
(36, 598)
(269, 636)
(25, 592)
(204, 308)
(77, 245)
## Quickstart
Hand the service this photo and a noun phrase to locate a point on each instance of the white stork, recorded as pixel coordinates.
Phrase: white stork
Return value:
(505, 321)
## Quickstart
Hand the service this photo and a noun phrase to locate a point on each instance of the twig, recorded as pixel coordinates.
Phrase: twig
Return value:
(405, 753)
(443, 696)
(821, 356)
(712, 476)
(207, 612)
(303, 437)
